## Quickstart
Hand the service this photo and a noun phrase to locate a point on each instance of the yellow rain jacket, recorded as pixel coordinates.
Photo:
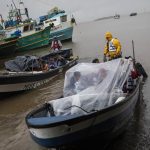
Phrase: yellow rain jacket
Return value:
(112, 47)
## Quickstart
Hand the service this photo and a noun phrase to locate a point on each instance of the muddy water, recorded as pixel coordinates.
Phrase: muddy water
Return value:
(88, 43)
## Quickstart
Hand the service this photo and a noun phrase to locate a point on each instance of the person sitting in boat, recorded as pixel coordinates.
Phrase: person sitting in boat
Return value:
(102, 75)
(76, 84)
(61, 61)
(56, 44)
(38, 65)
(98, 78)
(52, 63)
(112, 48)
(130, 84)
(44, 66)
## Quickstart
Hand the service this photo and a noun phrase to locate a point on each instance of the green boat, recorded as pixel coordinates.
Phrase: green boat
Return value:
(30, 35)
(33, 39)
(8, 47)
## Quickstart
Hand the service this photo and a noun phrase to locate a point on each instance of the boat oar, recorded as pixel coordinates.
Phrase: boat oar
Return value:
(133, 52)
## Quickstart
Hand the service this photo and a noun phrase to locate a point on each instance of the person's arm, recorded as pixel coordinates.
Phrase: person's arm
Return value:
(52, 44)
(46, 67)
(60, 44)
(105, 50)
(118, 46)
(70, 88)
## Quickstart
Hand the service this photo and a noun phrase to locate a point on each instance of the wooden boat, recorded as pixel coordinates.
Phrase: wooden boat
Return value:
(23, 76)
(8, 47)
(86, 114)
(61, 24)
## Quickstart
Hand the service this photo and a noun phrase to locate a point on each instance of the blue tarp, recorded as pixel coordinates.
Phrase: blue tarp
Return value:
(17, 33)
(10, 23)
(22, 63)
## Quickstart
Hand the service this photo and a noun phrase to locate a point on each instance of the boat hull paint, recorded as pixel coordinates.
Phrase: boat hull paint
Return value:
(33, 41)
(107, 124)
(21, 82)
(22, 86)
(8, 48)
(63, 34)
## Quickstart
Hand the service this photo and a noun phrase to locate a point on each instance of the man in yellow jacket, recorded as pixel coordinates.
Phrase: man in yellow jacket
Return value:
(112, 48)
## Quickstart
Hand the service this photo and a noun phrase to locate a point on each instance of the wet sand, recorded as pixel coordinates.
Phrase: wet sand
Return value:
(88, 43)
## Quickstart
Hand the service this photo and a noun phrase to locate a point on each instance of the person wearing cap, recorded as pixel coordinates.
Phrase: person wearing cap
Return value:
(112, 48)
(56, 44)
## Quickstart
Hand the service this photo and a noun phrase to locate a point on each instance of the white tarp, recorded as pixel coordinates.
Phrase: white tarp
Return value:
(92, 86)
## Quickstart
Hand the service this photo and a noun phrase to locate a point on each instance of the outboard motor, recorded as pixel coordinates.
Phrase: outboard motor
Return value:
(141, 70)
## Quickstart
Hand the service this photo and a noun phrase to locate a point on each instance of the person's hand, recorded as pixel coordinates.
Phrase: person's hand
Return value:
(104, 58)
(114, 56)
(118, 54)
(107, 55)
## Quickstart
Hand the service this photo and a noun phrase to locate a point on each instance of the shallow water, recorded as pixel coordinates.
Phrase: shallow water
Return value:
(88, 43)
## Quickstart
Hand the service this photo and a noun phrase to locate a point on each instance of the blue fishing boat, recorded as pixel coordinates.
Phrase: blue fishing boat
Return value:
(61, 23)
(30, 36)
(7, 44)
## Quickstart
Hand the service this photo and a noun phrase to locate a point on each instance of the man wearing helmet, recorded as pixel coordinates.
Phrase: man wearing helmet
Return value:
(112, 48)
(56, 44)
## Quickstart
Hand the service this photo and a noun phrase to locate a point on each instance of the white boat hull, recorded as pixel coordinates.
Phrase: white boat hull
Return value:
(106, 123)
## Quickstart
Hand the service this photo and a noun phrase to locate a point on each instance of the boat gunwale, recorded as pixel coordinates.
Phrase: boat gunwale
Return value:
(11, 41)
(79, 118)
(27, 74)
(36, 32)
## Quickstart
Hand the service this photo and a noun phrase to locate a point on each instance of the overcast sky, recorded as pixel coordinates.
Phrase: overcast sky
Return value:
(83, 10)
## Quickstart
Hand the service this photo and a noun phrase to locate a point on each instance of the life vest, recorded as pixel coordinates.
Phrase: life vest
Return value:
(130, 83)
(56, 45)
(111, 46)
(134, 74)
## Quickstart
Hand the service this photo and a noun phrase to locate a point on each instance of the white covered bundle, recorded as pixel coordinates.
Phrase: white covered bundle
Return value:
(92, 86)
